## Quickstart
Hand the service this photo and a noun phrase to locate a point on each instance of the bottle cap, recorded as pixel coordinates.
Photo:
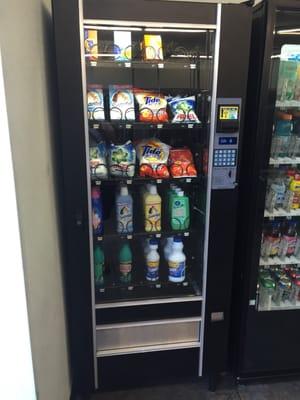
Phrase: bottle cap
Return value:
(284, 116)
(177, 239)
(124, 191)
(153, 189)
(96, 193)
(180, 193)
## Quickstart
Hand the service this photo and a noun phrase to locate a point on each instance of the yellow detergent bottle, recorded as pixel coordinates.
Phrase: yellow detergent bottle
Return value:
(295, 189)
(152, 207)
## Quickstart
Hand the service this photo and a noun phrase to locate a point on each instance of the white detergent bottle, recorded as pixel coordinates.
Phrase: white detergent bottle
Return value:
(124, 211)
(152, 210)
(152, 261)
(177, 261)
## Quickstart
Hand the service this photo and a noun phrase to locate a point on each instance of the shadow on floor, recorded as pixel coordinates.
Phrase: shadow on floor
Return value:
(198, 391)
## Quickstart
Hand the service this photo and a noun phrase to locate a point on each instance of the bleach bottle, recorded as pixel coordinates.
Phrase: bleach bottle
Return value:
(177, 261)
(152, 261)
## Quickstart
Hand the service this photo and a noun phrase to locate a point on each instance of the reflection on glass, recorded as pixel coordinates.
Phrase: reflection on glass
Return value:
(279, 266)
(148, 95)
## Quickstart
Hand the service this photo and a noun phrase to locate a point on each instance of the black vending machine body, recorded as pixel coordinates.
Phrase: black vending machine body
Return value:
(265, 328)
(152, 104)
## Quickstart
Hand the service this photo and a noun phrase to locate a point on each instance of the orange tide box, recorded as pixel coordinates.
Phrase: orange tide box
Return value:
(152, 47)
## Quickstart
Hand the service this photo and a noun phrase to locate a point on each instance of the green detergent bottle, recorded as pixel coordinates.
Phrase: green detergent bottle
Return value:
(180, 211)
(125, 263)
(98, 267)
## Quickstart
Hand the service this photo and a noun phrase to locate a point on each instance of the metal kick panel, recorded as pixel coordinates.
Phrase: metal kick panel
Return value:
(147, 335)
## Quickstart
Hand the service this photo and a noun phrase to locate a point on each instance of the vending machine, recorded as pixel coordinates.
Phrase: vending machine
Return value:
(152, 98)
(266, 302)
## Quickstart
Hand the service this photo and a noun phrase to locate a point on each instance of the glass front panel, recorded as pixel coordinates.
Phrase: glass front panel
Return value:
(279, 270)
(148, 94)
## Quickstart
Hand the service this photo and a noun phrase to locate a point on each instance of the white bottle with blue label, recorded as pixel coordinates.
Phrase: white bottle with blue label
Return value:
(177, 261)
(152, 261)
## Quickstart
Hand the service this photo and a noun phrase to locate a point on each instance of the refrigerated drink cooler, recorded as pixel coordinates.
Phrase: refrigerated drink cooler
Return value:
(151, 98)
(267, 298)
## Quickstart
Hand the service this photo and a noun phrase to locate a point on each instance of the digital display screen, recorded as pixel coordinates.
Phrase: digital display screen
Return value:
(229, 113)
(228, 140)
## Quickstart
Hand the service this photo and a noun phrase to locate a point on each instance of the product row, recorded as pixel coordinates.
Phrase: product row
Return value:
(280, 239)
(283, 189)
(119, 46)
(153, 106)
(279, 285)
(155, 158)
(286, 137)
(177, 209)
(173, 254)
(289, 77)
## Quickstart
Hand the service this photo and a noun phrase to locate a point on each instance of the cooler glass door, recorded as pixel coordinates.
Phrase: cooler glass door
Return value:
(278, 285)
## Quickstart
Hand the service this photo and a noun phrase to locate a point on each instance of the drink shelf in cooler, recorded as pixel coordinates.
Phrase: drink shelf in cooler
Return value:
(284, 161)
(288, 104)
(280, 212)
(143, 126)
(287, 305)
(279, 261)
(139, 180)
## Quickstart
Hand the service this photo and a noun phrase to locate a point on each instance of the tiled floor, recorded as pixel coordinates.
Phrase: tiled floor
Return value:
(196, 391)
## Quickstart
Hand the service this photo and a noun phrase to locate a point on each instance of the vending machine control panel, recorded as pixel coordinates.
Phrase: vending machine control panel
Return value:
(226, 143)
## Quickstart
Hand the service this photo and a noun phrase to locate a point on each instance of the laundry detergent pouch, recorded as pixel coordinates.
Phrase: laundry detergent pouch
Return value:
(95, 102)
(153, 157)
(121, 159)
(98, 165)
(181, 163)
(121, 102)
(183, 109)
(152, 106)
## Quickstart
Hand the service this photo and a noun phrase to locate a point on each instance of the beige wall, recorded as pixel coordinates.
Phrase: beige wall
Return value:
(24, 36)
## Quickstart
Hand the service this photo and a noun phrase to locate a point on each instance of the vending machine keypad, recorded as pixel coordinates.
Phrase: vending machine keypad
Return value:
(225, 158)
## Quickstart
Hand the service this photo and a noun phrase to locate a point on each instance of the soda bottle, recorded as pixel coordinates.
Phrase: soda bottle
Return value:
(295, 192)
(125, 263)
(272, 239)
(98, 267)
(276, 191)
(266, 289)
(294, 150)
(294, 273)
(283, 286)
(282, 134)
(288, 240)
